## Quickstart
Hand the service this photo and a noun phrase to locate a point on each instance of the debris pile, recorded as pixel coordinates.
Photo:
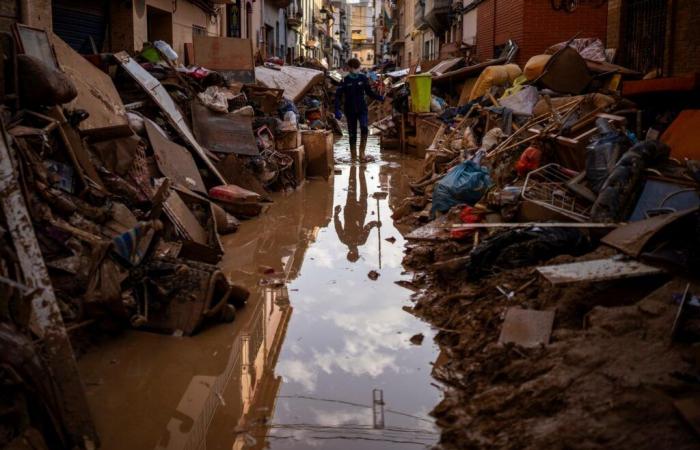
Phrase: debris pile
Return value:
(119, 174)
(555, 244)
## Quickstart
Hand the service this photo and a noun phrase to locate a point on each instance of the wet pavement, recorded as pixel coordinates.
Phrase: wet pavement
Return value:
(319, 357)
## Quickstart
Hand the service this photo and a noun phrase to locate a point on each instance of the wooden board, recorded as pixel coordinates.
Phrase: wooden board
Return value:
(174, 161)
(233, 57)
(165, 102)
(184, 220)
(294, 81)
(223, 133)
(633, 238)
(689, 408)
(96, 92)
(318, 146)
(596, 270)
(526, 327)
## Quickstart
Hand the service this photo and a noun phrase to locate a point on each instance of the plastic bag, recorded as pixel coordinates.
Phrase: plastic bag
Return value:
(602, 154)
(166, 50)
(529, 160)
(463, 184)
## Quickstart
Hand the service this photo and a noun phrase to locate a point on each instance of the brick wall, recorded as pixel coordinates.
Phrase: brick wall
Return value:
(508, 24)
(534, 26)
(544, 27)
(509, 21)
(484, 29)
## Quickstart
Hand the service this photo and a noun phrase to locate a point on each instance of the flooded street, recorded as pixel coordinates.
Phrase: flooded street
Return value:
(309, 359)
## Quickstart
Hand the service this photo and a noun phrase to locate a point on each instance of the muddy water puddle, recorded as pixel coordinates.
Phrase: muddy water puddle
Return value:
(320, 356)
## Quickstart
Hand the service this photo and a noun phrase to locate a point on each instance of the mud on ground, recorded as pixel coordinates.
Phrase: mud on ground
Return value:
(608, 378)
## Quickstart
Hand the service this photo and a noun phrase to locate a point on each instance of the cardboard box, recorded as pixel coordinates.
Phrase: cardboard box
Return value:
(288, 140)
(298, 155)
(318, 147)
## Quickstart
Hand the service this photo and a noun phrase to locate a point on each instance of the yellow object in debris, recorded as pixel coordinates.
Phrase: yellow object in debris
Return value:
(518, 85)
(535, 66)
(420, 87)
(494, 76)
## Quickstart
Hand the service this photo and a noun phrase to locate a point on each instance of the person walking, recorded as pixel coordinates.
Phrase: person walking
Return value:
(353, 89)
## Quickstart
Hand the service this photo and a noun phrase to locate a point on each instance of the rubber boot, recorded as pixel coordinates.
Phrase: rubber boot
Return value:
(353, 150)
(363, 145)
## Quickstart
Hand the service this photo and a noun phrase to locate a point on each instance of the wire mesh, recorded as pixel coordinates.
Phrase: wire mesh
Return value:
(547, 187)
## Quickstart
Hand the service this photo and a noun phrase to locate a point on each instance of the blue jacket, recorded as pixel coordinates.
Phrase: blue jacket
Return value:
(354, 87)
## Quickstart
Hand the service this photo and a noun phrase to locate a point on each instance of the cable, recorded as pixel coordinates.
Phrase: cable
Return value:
(343, 402)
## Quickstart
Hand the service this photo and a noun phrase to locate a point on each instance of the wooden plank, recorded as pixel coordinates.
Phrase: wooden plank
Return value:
(231, 56)
(96, 93)
(596, 270)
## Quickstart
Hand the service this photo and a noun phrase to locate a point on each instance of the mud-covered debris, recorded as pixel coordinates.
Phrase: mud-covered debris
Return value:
(267, 270)
(373, 275)
(417, 339)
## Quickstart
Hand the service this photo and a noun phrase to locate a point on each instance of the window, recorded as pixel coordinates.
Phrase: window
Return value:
(233, 15)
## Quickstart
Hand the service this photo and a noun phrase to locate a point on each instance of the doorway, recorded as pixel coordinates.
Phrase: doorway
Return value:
(160, 25)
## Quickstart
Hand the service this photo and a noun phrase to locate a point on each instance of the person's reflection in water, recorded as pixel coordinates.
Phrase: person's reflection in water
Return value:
(353, 232)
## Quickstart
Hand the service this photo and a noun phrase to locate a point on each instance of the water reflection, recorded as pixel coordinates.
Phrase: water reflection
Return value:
(298, 367)
(353, 232)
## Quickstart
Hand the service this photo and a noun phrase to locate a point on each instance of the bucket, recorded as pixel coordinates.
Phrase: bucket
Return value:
(420, 87)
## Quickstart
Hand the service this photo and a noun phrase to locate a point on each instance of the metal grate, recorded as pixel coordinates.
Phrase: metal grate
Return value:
(547, 187)
(643, 34)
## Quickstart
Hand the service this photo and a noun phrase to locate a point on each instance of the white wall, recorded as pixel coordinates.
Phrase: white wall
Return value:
(469, 27)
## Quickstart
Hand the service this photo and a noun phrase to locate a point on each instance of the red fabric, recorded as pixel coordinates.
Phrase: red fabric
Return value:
(467, 215)
(529, 160)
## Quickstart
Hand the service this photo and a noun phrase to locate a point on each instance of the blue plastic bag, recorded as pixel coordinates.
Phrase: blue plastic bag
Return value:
(463, 184)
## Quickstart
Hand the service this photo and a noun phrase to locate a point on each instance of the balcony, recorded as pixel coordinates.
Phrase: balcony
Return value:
(436, 14)
(419, 16)
(294, 15)
(294, 21)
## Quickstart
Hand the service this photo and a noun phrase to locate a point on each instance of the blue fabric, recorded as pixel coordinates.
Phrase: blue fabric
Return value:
(353, 89)
(465, 183)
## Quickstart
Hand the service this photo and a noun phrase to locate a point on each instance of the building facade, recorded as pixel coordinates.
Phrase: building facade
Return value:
(362, 24)
(291, 30)
(432, 29)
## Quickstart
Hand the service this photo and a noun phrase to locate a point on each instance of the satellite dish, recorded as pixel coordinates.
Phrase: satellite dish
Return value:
(139, 7)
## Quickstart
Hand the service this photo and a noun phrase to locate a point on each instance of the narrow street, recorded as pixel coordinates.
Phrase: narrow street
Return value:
(298, 367)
